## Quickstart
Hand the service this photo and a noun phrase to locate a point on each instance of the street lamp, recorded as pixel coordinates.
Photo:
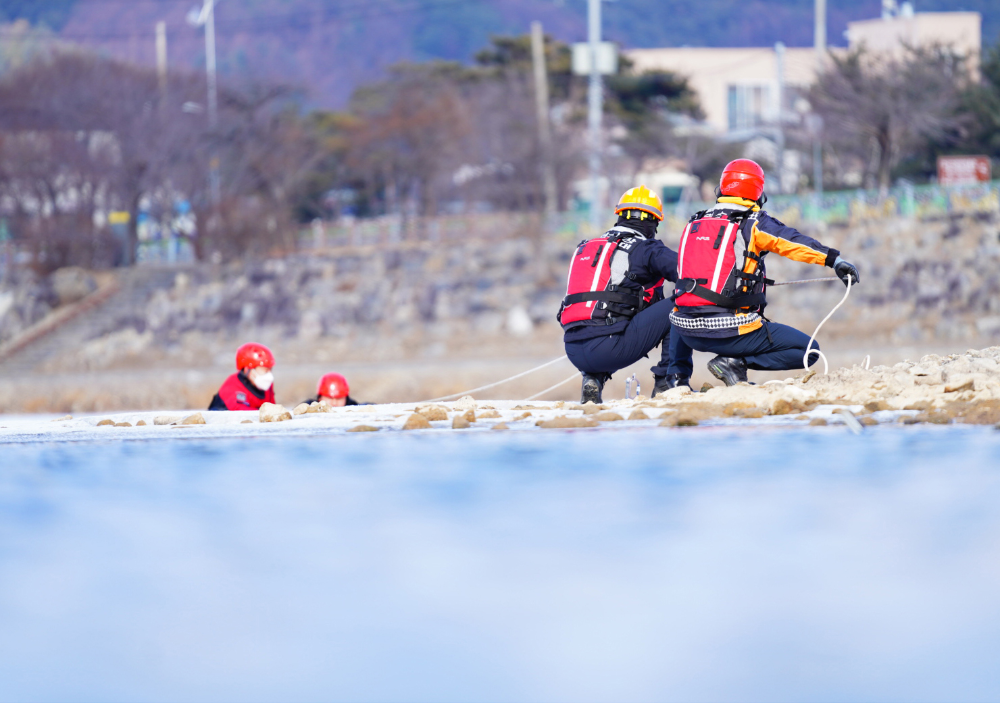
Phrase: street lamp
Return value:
(206, 17)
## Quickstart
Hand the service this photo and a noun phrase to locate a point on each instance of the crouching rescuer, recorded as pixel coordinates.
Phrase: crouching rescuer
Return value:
(614, 311)
(721, 279)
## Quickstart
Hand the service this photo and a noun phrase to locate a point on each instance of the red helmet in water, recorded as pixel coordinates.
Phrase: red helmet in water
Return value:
(252, 355)
(333, 385)
(742, 178)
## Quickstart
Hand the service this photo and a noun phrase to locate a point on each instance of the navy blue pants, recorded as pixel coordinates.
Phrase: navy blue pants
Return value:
(603, 356)
(781, 351)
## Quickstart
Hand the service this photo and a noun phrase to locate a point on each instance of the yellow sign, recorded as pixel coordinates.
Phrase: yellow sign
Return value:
(119, 217)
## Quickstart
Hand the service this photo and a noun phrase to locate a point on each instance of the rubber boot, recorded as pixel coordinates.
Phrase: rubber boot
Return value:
(671, 380)
(591, 391)
(728, 369)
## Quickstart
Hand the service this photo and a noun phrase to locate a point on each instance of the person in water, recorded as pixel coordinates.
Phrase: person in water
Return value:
(253, 383)
(333, 392)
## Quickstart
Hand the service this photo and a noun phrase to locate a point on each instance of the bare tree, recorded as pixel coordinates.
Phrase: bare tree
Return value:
(877, 108)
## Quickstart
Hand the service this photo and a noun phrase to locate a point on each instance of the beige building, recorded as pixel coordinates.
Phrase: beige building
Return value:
(739, 88)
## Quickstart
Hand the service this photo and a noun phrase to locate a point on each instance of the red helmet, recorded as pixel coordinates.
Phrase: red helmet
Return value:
(252, 355)
(742, 178)
(333, 385)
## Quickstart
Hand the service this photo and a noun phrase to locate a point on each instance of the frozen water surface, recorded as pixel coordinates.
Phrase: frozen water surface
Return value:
(631, 565)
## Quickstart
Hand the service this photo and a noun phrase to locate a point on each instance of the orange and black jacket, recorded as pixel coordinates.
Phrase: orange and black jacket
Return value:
(762, 234)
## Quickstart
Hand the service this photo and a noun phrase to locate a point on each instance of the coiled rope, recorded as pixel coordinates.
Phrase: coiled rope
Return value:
(809, 349)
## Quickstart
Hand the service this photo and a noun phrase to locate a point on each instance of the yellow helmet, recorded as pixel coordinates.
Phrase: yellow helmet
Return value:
(641, 198)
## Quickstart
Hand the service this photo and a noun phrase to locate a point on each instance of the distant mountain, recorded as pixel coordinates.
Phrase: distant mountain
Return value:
(331, 46)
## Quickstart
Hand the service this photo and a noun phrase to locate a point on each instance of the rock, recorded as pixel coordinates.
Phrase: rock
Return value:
(470, 416)
(920, 405)
(247, 422)
(300, 409)
(71, 284)
(609, 417)
(196, 419)
(315, 407)
(166, 420)
(592, 409)
(63, 418)
(433, 413)
(273, 412)
(416, 421)
(873, 406)
(488, 415)
(460, 423)
(935, 418)
(364, 428)
(985, 413)
(466, 402)
(753, 413)
(705, 387)
(786, 407)
(123, 424)
(818, 422)
(106, 423)
(958, 387)
(563, 422)
(679, 419)
(868, 421)
(141, 423)
(638, 415)
(500, 426)
(522, 416)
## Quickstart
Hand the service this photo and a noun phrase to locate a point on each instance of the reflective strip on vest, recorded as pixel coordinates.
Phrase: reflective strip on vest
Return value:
(722, 256)
(597, 272)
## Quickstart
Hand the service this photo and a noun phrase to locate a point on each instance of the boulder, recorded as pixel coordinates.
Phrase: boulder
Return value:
(592, 409)
(72, 284)
(500, 426)
(489, 415)
(460, 423)
(608, 417)
(300, 409)
(638, 414)
(470, 416)
(166, 419)
(563, 422)
(196, 419)
(141, 423)
(123, 424)
(106, 423)
(416, 421)
(315, 407)
(272, 412)
(433, 413)
(522, 416)
(466, 402)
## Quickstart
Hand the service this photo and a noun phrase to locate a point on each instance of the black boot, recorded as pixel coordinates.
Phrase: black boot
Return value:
(671, 380)
(729, 370)
(592, 387)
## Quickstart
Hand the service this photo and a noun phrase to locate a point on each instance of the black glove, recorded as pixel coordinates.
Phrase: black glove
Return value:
(844, 269)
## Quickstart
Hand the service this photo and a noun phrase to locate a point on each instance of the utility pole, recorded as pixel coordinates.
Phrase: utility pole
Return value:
(542, 109)
(206, 18)
(819, 43)
(161, 61)
(595, 107)
(779, 56)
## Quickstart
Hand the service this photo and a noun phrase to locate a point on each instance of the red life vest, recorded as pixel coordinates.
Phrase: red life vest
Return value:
(593, 286)
(712, 260)
(236, 396)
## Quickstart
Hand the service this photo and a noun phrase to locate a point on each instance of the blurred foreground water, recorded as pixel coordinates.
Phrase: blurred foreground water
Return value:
(698, 564)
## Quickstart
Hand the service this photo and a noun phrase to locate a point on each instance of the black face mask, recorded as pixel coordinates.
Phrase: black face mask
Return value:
(646, 227)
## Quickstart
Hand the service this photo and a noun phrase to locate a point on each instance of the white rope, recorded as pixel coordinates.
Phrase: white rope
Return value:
(805, 280)
(491, 385)
(866, 363)
(809, 349)
(552, 388)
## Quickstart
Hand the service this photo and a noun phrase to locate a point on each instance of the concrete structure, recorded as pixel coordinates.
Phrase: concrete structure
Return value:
(738, 88)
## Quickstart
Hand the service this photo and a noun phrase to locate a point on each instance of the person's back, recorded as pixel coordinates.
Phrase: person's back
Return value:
(722, 279)
(611, 314)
